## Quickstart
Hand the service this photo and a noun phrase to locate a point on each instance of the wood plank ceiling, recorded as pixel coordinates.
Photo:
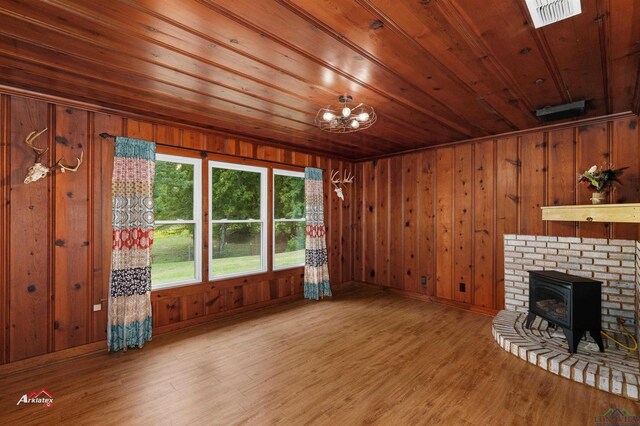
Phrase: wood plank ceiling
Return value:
(436, 71)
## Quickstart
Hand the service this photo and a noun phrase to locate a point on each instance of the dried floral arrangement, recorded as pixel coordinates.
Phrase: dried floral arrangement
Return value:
(599, 179)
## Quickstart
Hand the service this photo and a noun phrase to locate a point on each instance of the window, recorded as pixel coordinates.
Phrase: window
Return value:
(176, 253)
(238, 212)
(288, 219)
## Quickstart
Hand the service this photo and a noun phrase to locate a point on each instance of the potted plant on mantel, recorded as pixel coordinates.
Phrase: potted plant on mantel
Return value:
(600, 180)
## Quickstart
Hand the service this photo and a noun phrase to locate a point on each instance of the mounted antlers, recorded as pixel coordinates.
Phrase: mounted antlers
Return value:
(339, 183)
(38, 170)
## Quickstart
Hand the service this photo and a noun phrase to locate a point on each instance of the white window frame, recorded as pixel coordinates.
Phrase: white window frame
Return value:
(262, 220)
(197, 218)
(276, 220)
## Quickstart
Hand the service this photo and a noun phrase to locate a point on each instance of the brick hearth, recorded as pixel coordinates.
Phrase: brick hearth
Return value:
(614, 262)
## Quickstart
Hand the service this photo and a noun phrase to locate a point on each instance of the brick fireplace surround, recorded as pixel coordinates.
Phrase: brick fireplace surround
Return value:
(614, 262)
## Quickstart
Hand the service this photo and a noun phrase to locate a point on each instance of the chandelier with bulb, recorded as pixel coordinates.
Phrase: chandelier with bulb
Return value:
(343, 119)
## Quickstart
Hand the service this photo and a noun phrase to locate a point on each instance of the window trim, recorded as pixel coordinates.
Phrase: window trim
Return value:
(197, 218)
(282, 172)
(264, 217)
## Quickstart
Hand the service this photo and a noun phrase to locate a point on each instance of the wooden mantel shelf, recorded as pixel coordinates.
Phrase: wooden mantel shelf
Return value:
(593, 213)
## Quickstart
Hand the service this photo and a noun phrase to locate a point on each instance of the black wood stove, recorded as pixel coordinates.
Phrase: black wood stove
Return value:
(566, 301)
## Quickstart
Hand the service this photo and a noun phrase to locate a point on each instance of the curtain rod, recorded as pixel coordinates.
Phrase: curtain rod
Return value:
(105, 135)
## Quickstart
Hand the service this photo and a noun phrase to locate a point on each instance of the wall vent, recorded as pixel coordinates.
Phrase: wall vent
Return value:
(545, 12)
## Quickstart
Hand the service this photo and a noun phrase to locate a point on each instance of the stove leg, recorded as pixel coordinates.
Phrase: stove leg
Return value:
(530, 319)
(598, 338)
(573, 338)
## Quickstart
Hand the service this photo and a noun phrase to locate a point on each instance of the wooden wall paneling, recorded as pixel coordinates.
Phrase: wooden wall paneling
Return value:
(562, 177)
(140, 130)
(369, 220)
(5, 178)
(215, 143)
(30, 329)
(426, 220)
(72, 230)
(167, 311)
(256, 293)
(463, 223)
(623, 32)
(532, 183)
(508, 167)
(102, 169)
(484, 218)
(358, 224)
(444, 222)
(213, 302)
(194, 305)
(235, 297)
(168, 135)
(194, 139)
(383, 213)
(625, 152)
(346, 253)
(592, 149)
(333, 208)
(396, 213)
(411, 279)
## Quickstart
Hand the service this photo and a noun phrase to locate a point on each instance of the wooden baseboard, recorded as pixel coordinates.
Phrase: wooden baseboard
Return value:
(101, 346)
(52, 358)
(473, 308)
(157, 331)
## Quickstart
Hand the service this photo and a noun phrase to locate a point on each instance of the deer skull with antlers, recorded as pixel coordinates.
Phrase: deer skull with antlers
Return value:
(339, 183)
(38, 170)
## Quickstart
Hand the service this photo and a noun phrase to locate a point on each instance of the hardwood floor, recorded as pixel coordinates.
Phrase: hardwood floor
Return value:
(364, 357)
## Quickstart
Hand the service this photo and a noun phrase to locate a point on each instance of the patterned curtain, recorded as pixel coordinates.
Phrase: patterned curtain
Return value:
(130, 279)
(316, 269)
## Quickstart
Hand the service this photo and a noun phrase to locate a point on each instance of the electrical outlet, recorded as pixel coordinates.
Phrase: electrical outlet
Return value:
(423, 280)
(463, 287)
(97, 307)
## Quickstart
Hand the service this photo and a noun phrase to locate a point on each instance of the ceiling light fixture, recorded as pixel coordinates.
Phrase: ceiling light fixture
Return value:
(545, 12)
(343, 119)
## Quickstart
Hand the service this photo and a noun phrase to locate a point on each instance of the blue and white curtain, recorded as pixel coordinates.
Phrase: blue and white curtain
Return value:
(316, 268)
(134, 171)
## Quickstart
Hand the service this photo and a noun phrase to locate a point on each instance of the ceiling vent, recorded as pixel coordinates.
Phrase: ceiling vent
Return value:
(557, 112)
(545, 12)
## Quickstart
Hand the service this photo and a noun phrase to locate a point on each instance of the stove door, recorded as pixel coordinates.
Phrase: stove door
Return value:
(551, 301)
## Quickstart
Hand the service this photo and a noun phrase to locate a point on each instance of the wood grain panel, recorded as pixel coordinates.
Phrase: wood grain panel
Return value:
(333, 208)
(411, 280)
(167, 311)
(625, 150)
(592, 149)
(383, 215)
(562, 177)
(358, 225)
(140, 130)
(426, 220)
(463, 223)
(484, 219)
(29, 293)
(101, 242)
(5, 178)
(346, 238)
(445, 196)
(369, 219)
(72, 232)
(396, 246)
(533, 182)
(507, 204)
